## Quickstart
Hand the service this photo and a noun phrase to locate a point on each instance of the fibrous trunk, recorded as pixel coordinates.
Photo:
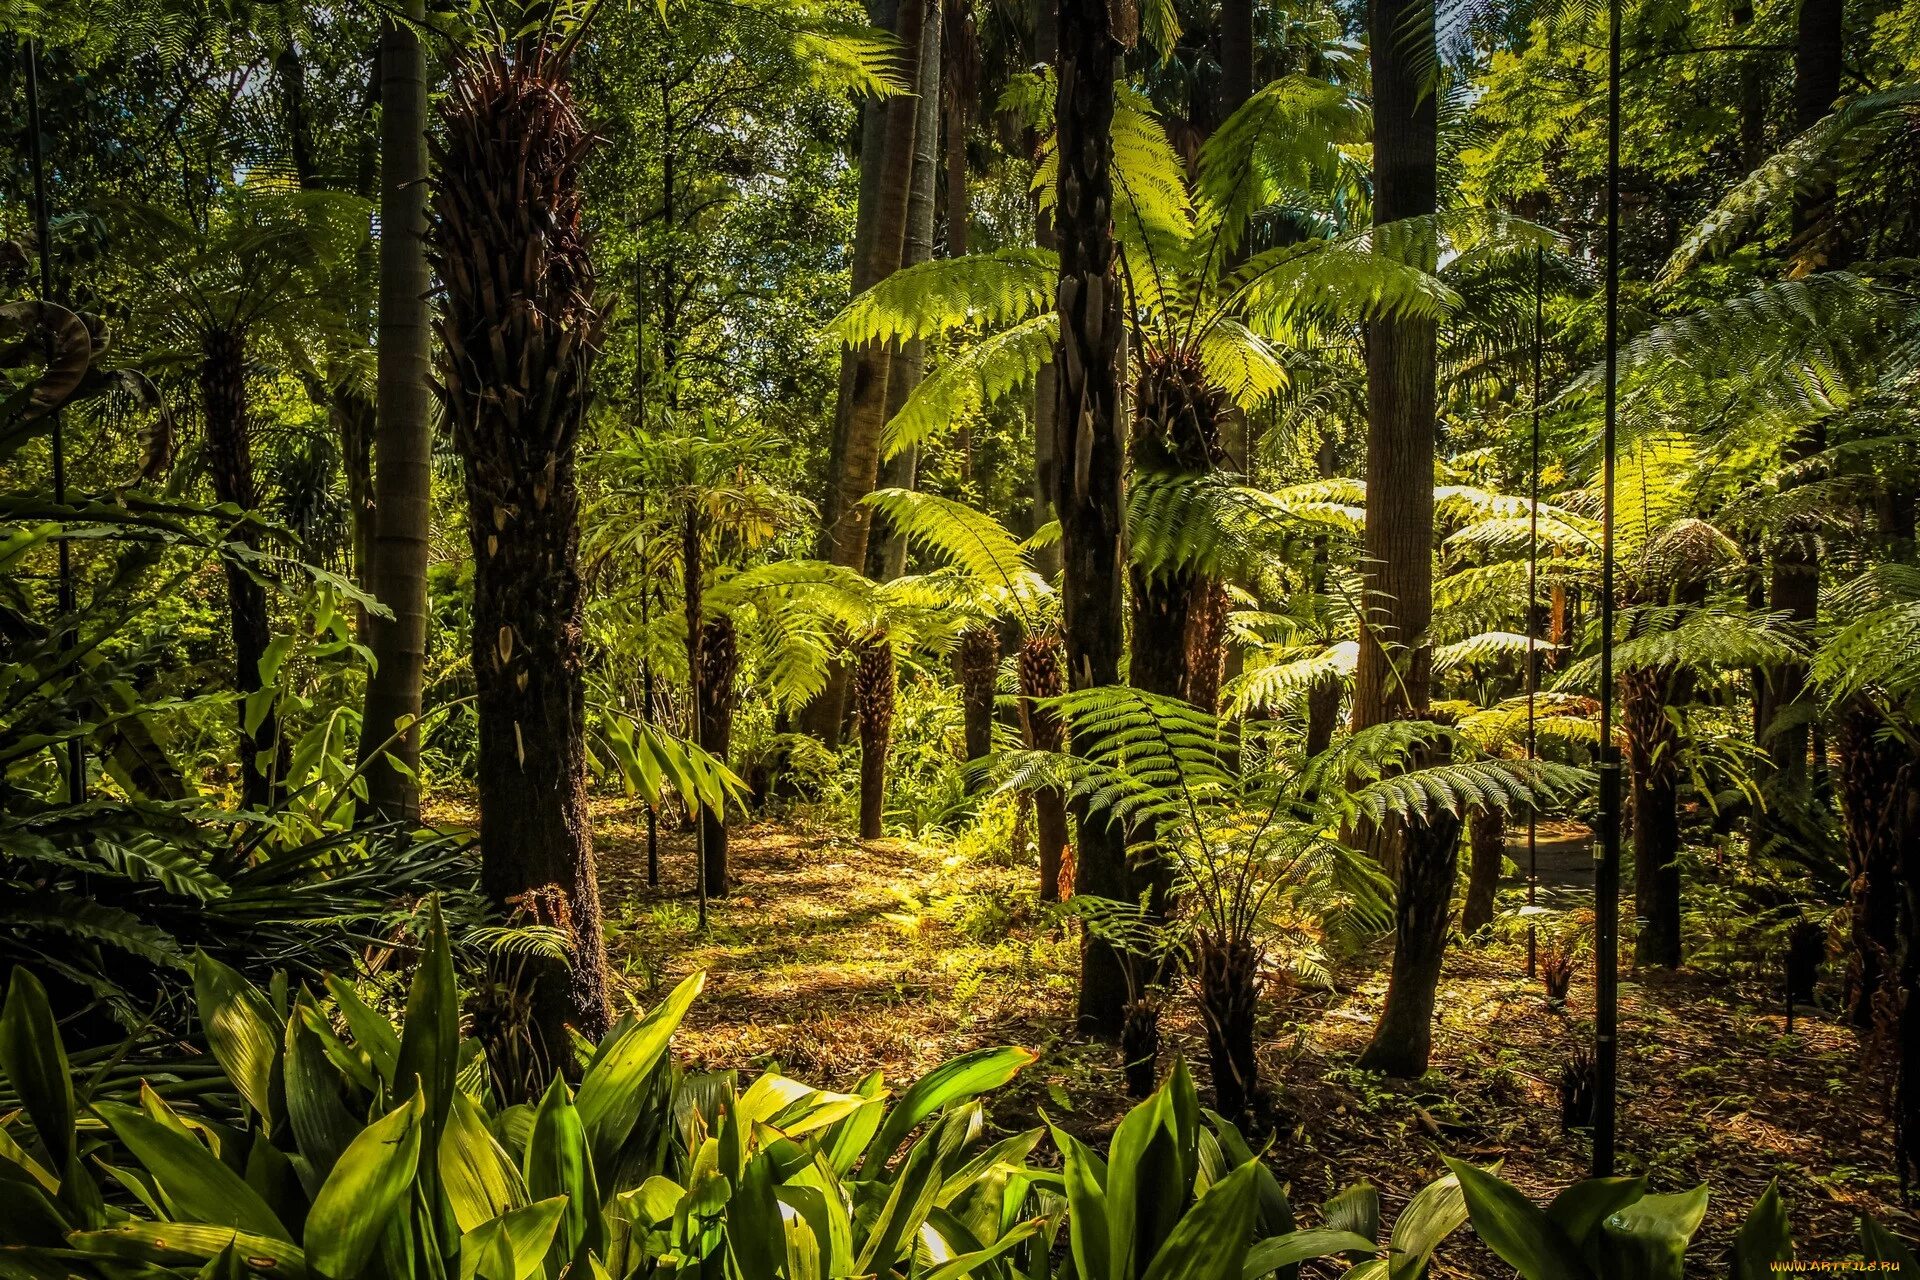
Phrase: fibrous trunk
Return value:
(719, 663)
(1429, 859)
(1487, 847)
(1089, 452)
(403, 481)
(1874, 772)
(518, 332)
(223, 390)
(1652, 745)
(873, 709)
(976, 664)
(1040, 680)
(1227, 972)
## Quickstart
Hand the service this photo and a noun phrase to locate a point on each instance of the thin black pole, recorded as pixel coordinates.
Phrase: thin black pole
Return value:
(76, 765)
(1606, 872)
(1533, 610)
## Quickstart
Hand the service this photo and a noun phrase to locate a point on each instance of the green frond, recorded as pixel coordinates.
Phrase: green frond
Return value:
(1340, 281)
(1702, 639)
(1284, 140)
(1270, 686)
(970, 379)
(1241, 363)
(981, 290)
(1487, 648)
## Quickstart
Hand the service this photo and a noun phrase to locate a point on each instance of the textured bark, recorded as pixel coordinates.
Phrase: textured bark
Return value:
(873, 686)
(1874, 774)
(1653, 746)
(518, 334)
(1046, 387)
(1402, 1043)
(976, 664)
(1039, 680)
(1487, 847)
(403, 481)
(1088, 446)
(1323, 714)
(719, 665)
(223, 392)
(1227, 972)
(1393, 678)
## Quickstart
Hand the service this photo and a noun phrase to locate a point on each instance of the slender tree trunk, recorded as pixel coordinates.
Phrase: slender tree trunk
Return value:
(909, 363)
(873, 689)
(223, 391)
(1039, 680)
(1395, 657)
(719, 664)
(1089, 448)
(518, 335)
(1795, 587)
(1652, 745)
(1873, 771)
(1487, 845)
(1046, 387)
(403, 484)
(853, 465)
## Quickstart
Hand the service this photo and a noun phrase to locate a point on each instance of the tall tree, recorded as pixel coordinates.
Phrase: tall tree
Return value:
(1795, 586)
(403, 476)
(518, 335)
(1089, 449)
(1393, 679)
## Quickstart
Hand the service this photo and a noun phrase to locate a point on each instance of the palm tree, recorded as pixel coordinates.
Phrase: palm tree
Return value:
(403, 446)
(518, 333)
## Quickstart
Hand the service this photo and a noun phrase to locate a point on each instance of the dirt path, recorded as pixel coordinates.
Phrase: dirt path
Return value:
(833, 958)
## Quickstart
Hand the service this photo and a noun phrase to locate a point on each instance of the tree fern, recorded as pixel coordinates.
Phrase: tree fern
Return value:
(971, 378)
(946, 295)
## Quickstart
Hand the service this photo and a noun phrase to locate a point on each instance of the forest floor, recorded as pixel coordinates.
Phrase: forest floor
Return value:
(832, 958)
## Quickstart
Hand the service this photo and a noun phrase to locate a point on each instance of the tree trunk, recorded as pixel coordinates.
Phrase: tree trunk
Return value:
(518, 334)
(853, 466)
(1090, 449)
(873, 692)
(1402, 1043)
(1046, 385)
(223, 391)
(1040, 726)
(1652, 745)
(719, 664)
(403, 483)
(1487, 843)
(1392, 683)
(976, 666)
(1873, 773)
(1795, 586)
(1227, 971)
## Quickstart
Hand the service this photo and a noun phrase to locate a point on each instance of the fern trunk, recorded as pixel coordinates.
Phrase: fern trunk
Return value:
(518, 333)
(873, 686)
(1874, 774)
(1040, 680)
(1227, 972)
(1652, 747)
(976, 664)
(1089, 449)
(1402, 1043)
(223, 391)
(1487, 853)
(403, 484)
(719, 667)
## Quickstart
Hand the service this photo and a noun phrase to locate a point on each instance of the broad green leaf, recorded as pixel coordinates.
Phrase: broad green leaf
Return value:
(321, 1123)
(1877, 1244)
(1211, 1239)
(174, 1244)
(1764, 1239)
(429, 1050)
(1435, 1212)
(1295, 1247)
(611, 1094)
(1148, 1189)
(476, 1176)
(368, 1184)
(195, 1182)
(1582, 1207)
(815, 1192)
(754, 1232)
(1515, 1227)
(1648, 1239)
(243, 1031)
(914, 1186)
(1085, 1179)
(559, 1163)
(967, 1263)
(513, 1245)
(371, 1030)
(966, 1076)
(1355, 1209)
(35, 1060)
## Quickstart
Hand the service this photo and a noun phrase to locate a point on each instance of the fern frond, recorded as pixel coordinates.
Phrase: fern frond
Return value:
(971, 379)
(949, 294)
